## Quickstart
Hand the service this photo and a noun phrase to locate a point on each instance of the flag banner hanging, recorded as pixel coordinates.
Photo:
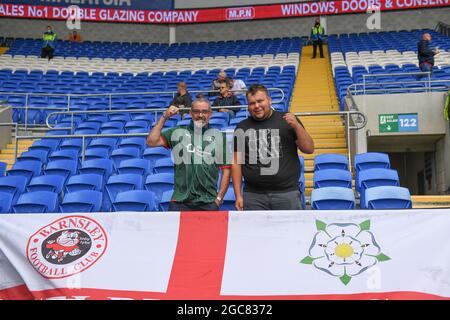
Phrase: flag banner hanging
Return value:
(388, 254)
(133, 12)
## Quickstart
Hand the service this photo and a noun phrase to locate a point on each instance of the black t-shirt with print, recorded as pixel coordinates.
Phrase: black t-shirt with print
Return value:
(267, 142)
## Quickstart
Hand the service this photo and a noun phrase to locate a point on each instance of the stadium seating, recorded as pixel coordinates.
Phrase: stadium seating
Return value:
(369, 160)
(135, 200)
(36, 202)
(374, 178)
(388, 197)
(51, 183)
(332, 198)
(5, 202)
(82, 201)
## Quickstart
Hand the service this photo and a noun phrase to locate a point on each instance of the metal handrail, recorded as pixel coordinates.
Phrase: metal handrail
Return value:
(347, 115)
(110, 95)
(352, 89)
(155, 110)
(85, 136)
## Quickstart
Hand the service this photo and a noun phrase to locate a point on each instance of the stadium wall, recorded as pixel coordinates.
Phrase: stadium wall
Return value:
(390, 21)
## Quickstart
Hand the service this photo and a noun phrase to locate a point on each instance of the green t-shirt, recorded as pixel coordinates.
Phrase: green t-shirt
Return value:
(197, 158)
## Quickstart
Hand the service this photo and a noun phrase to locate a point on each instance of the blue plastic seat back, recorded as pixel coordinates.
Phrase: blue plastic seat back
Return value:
(388, 197)
(26, 169)
(51, 183)
(64, 168)
(2, 168)
(142, 167)
(14, 185)
(374, 178)
(6, 199)
(164, 166)
(165, 200)
(159, 183)
(82, 201)
(330, 161)
(39, 155)
(123, 154)
(369, 160)
(332, 178)
(156, 153)
(86, 181)
(36, 202)
(229, 201)
(135, 200)
(98, 166)
(332, 198)
(121, 183)
(65, 154)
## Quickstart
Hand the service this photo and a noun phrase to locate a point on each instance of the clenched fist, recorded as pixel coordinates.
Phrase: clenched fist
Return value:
(291, 119)
(173, 110)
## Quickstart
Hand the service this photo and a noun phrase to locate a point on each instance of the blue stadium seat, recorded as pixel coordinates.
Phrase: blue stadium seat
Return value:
(39, 155)
(123, 182)
(72, 144)
(330, 161)
(65, 154)
(156, 153)
(107, 144)
(159, 183)
(13, 185)
(5, 202)
(121, 154)
(86, 181)
(27, 169)
(166, 198)
(2, 168)
(135, 200)
(91, 154)
(332, 198)
(229, 201)
(164, 166)
(36, 202)
(374, 178)
(103, 167)
(332, 178)
(139, 142)
(51, 183)
(369, 160)
(142, 167)
(388, 197)
(82, 201)
(64, 168)
(45, 144)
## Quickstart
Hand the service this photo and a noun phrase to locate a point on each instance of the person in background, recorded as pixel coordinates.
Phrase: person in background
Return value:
(317, 34)
(182, 98)
(425, 54)
(48, 43)
(227, 99)
(215, 83)
(74, 37)
(238, 85)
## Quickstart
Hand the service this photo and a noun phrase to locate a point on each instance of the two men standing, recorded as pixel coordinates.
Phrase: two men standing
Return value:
(265, 156)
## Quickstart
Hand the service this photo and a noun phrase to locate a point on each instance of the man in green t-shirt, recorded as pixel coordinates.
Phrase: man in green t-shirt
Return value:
(199, 153)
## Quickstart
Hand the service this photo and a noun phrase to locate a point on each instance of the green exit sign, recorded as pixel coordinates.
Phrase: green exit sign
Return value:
(402, 122)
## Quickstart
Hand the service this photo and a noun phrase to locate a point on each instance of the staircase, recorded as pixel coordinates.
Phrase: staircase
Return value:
(314, 91)
(7, 153)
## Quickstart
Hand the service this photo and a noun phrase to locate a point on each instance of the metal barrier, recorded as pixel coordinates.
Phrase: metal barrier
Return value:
(443, 28)
(348, 127)
(346, 114)
(360, 88)
(110, 96)
(155, 110)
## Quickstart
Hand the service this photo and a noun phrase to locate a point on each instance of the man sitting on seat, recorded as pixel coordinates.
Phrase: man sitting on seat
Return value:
(227, 99)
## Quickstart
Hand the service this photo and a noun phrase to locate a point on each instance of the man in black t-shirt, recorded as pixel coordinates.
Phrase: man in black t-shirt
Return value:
(265, 154)
(227, 99)
(183, 98)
